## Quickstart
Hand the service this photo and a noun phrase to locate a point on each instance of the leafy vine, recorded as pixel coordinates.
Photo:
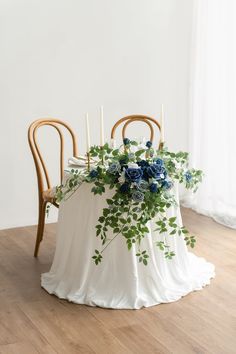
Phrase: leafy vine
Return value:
(142, 179)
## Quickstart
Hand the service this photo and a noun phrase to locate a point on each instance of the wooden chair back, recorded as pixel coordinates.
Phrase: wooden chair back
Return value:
(133, 118)
(37, 156)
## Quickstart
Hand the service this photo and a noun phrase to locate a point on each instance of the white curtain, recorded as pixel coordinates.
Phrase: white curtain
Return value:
(213, 109)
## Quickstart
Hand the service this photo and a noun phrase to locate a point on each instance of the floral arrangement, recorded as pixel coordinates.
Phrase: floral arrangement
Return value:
(142, 179)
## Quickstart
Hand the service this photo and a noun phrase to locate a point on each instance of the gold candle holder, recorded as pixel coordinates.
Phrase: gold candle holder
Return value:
(88, 161)
(161, 145)
(101, 148)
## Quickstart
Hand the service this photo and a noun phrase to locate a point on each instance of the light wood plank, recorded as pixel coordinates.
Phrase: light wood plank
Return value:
(32, 321)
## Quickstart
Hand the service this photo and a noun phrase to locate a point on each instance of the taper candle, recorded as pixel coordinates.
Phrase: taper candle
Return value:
(162, 124)
(87, 132)
(101, 127)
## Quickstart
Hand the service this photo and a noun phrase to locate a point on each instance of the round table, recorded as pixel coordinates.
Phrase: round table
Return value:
(119, 282)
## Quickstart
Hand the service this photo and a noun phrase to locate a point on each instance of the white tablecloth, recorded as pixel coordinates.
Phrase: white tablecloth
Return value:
(119, 281)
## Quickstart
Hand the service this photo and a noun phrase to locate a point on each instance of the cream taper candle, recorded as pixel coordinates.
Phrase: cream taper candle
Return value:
(87, 132)
(101, 127)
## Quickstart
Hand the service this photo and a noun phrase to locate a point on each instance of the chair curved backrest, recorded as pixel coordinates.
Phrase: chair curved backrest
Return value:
(137, 117)
(38, 159)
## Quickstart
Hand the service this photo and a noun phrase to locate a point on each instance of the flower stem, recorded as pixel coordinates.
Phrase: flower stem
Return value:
(120, 231)
(112, 239)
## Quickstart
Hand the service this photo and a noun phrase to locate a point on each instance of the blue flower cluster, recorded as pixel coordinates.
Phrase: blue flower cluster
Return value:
(93, 173)
(155, 170)
(188, 176)
(143, 177)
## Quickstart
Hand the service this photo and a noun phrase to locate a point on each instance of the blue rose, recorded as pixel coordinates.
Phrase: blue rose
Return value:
(126, 141)
(114, 168)
(149, 144)
(153, 188)
(156, 171)
(167, 185)
(188, 176)
(93, 174)
(133, 174)
(143, 185)
(159, 162)
(137, 196)
(124, 188)
(143, 163)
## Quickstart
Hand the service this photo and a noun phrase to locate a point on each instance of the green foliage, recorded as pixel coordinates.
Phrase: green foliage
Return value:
(124, 216)
(47, 210)
(190, 241)
(97, 257)
(169, 254)
(142, 257)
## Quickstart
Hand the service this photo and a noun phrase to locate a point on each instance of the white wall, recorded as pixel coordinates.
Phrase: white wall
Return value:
(62, 58)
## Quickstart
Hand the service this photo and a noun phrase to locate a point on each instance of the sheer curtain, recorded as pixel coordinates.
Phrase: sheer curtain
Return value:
(213, 109)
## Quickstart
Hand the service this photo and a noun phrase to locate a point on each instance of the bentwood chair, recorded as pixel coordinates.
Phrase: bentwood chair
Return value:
(141, 118)
(44, 185)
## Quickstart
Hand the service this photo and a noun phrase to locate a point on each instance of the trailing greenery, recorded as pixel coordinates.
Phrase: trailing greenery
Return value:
(142, 179)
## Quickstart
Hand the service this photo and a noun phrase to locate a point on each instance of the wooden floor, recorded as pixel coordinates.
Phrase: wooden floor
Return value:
(32, 321)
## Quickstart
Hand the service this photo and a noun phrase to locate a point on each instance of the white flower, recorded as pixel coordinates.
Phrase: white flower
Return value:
(122, 177)
(133, 165)
(152, 180)
(131, 156)
(177, 165)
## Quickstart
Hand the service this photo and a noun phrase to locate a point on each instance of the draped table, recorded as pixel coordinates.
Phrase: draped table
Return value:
(119, 282)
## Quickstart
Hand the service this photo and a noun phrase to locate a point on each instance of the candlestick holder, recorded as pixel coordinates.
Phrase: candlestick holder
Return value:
(161, 145)
(101, 148)
(88, 161)
(125, 149)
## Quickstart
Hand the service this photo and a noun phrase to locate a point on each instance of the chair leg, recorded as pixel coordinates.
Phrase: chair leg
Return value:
(41, 222)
